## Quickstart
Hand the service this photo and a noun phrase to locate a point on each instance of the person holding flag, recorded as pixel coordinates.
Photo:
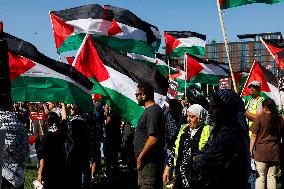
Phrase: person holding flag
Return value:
(253, 106)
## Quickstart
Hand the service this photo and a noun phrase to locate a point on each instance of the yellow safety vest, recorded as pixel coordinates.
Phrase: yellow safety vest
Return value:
(253, 109)
(203, 139)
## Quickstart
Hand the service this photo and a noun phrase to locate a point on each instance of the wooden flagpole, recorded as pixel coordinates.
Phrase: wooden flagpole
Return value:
(169, 67)
(226, 45)
(254, 62)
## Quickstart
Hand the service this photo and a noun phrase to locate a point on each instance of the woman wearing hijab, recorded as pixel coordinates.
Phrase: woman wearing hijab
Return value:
(224, 161)
(190, 140)
(265, 138)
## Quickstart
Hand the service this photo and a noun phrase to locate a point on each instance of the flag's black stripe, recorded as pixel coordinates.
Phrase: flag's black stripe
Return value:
(279, 43)
(269, 76)
(132, 68)
(120, 15)
(19, 47)
(186, 34)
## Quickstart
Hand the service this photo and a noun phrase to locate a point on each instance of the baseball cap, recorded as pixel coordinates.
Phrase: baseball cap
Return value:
(254, 83)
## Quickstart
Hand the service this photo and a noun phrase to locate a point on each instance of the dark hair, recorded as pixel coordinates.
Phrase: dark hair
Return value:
(52, 118)
(176, 107)
(147, 90)
(274, 122)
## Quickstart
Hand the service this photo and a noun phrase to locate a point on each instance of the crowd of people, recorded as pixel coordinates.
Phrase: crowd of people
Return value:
(195, 143)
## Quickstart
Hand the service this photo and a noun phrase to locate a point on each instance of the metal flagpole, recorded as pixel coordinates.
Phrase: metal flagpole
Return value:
(226, 45)
(185, 77)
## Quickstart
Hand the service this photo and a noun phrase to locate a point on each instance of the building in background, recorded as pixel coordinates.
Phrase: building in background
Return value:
(244, 52)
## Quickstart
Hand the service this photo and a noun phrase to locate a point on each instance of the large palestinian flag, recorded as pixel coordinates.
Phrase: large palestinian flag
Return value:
(269, 85)
(179, 42)
(117, 76)
(37, 78)
(225, 4)
(276, 49)
(205, 71)
(117, 27)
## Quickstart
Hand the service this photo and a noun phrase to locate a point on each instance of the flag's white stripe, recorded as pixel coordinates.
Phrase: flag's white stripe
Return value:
(190, 42)
(125, 85)
(100, 27)
(274, 94)
(146, 58)
(212, 69)
(42, 71)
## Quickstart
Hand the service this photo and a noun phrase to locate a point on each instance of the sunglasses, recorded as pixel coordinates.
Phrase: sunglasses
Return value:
(138, 94)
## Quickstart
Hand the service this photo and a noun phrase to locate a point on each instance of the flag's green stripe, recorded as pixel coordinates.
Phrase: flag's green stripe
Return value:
(127, 45)
(207, 79)
(235, 3)
(43, 89)
(127, 108)
(73, 42)
(194, 50)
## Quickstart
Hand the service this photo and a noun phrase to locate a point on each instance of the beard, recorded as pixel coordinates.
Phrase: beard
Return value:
(141, 102)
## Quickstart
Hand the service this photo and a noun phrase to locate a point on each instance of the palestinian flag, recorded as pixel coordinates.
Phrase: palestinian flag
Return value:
(179, 42)
(205, 71)
(157, 63)
(225, 4)
(276, 49)
(117, 76)
(37, 78)
(1, 26)
(269, 85)
(70, 59)
(117, 27)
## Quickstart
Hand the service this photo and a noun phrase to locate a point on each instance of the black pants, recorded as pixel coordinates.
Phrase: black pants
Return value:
(150, 177)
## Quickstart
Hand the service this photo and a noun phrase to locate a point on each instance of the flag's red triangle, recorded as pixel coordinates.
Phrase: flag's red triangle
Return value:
(277, 52)
(221, 2)
(61, 30)
(89, 62)
(18, 65)
(193, 67)
(171, 42)
(70, 59)
(114, 28)
(256, 74)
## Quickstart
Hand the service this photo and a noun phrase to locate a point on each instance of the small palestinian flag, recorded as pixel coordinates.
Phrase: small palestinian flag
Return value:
(117, 27)
(154, 62)
(276, 49)
(37, 78)
(179, 42)
(1, 26)
(116, 76)
(225, 4)
(70, 59)
(269, 85)
(203, 71)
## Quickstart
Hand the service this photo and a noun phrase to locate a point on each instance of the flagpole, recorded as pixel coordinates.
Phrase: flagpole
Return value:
(226, 45)
(79, 50)
(185, 77)
(280, 96)
(169, 67)
(248, 77)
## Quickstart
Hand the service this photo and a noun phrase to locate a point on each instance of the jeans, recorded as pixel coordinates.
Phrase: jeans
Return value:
(266, 174)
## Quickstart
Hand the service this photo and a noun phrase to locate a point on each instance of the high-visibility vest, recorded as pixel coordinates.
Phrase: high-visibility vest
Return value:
(253, 109)
(202, 141)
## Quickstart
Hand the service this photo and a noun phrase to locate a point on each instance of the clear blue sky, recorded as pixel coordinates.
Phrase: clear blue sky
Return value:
(30, 20)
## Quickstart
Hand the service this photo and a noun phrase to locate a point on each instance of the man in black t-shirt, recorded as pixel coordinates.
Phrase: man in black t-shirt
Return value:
(149, 139)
